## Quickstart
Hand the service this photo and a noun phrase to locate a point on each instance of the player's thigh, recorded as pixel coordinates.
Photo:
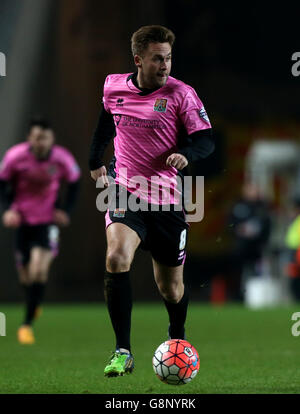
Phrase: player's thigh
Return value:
(40, 261)
(23, 274)
(167, 238)
(167, 276)
(121, 239)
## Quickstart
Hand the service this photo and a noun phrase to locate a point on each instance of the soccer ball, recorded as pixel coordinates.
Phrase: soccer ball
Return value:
(176, 362)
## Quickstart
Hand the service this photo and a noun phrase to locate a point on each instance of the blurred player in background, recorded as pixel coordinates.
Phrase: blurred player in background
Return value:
(160, 125)
(292, 243)
(250, 224)
(31, 174)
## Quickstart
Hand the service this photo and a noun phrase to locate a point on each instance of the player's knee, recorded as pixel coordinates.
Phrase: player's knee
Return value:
(37, 277)
(171, 293)
(118, 261)
(23, 280)
(23, 276)
(37, 273)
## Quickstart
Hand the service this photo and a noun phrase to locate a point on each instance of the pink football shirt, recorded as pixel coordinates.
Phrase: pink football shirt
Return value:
(36, 183)
(147, 130)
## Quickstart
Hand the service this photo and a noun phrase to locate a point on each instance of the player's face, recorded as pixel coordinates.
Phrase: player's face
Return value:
(251, 192)
(154, 66)
(41, 141)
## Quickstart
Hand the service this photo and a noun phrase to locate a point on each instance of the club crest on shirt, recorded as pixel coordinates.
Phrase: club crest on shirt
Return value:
(203, 114)
(160, 105)
(119, 212)
(117, 118)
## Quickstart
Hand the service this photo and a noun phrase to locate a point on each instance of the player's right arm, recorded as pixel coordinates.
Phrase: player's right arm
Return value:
(10, 217)
(103, 133)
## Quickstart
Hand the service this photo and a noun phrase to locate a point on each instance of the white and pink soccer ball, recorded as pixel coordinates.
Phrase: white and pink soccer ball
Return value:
(176, 362)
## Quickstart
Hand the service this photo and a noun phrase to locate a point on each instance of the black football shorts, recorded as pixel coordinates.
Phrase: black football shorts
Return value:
(27, 237)
(163, 233)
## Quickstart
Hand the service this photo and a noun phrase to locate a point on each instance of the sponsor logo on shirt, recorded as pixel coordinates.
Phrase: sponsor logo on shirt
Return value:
(160, 105)
(130, 121)
(119, 212)
(203, 115)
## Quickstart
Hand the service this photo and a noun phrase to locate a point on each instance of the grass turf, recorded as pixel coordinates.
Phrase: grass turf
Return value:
(241, 351)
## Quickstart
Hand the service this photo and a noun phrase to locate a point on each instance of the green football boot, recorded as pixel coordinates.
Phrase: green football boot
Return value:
(120, 363)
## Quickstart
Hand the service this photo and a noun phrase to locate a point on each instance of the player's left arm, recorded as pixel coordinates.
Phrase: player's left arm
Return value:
(63, 210)
(200, 145)
(72, 192)
(199, 142)
(71, 176)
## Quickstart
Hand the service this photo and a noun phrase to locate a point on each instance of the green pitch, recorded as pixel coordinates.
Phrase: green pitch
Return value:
(241, 351)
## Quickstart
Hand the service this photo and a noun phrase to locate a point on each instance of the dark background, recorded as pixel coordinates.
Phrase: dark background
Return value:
(238, 58)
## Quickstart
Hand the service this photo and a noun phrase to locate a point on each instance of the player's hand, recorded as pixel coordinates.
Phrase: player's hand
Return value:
(177, 160)
(11, 219)
(61, 218)
(248, 230)
(100, 173)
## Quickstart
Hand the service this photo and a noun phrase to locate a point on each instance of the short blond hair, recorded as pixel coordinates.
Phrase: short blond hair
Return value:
(150, 34)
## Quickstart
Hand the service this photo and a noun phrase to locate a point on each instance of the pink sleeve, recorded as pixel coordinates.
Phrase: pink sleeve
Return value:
(193, 114)
(71, 170)
(7, 167)
(104, 99)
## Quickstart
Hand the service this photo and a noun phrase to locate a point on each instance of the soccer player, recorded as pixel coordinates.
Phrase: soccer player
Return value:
(160, 126)
(30, 176)
(250, 225)
(292, 250)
